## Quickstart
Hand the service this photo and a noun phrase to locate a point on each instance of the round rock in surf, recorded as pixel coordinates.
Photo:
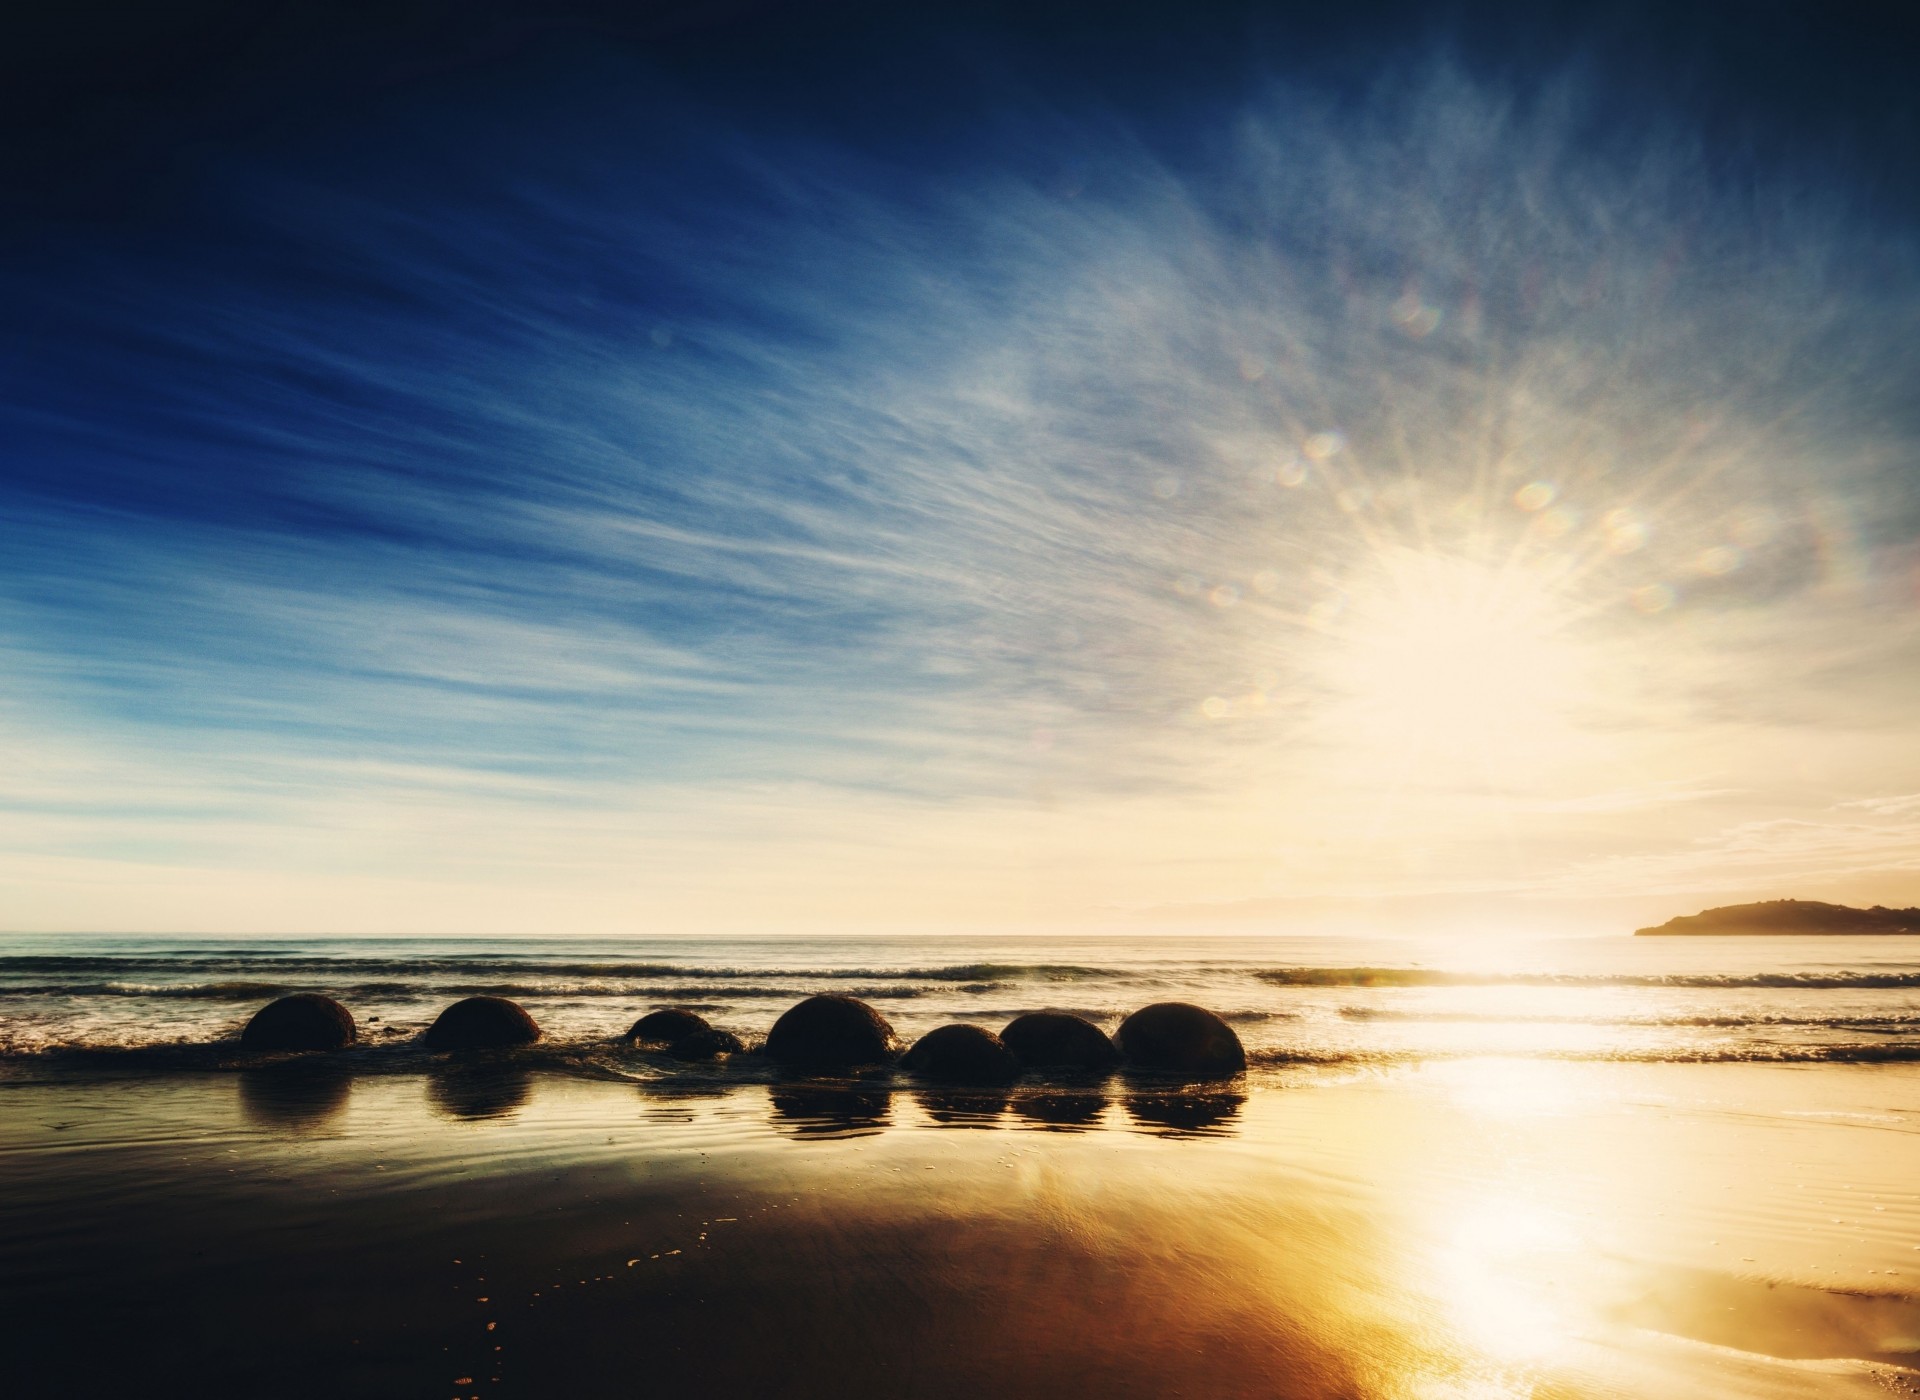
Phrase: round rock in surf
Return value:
(1056, 1040)
(303, 1021)
(1173, 1037)
(666, 1026)
(962, 1055)
(832, 1032)
(482, 1023)
(709, 1044)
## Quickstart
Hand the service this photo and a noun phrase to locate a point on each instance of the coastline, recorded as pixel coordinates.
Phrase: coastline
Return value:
(1476, 1228)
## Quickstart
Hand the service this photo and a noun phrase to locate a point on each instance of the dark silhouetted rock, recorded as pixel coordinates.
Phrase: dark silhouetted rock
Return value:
(1056, 1040)
(832, 1032)
(962, 1055)
(665, 1027)
(709, 1044)
(1172, 1037)
(303, 1021)
(482, 1023)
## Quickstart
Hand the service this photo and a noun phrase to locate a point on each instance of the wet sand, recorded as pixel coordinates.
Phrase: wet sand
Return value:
(1479, 1229)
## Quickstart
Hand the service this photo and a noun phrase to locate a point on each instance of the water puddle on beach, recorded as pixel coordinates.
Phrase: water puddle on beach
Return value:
(1474, 1229)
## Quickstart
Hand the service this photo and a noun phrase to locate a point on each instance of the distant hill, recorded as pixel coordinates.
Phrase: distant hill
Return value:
(1789, 916)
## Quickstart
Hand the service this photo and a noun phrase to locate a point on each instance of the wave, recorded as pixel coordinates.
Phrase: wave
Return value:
(1435, 977)
(600, 1057)
(422, 991)
(1891, 1024)
(1284, 1056)
(264, 967)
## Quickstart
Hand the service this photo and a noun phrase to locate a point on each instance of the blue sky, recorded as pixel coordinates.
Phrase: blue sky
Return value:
(916, 477)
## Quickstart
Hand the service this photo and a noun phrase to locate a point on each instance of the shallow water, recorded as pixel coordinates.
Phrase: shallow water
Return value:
(1484, 1228)
(1537, 1169)
(1295, 1001)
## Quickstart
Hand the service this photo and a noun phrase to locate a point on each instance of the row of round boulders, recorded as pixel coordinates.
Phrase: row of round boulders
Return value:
(1170, 1037)
(685, 1035)
(832, 1032)
(822, 1032)
(309, 1021)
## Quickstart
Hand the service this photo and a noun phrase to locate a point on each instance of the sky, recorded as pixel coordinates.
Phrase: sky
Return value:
(769, 468)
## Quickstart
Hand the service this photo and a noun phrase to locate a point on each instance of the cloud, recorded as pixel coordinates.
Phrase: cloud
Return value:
(571, 489)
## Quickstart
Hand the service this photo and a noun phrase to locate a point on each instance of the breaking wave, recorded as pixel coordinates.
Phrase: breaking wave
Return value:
(1435, 977)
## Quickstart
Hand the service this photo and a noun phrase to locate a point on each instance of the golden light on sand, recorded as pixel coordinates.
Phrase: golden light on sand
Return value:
(1444, 663)
(1491, 1271)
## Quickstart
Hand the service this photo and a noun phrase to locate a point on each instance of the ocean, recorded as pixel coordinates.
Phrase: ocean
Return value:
(1296, 1002)
(1585, 1168)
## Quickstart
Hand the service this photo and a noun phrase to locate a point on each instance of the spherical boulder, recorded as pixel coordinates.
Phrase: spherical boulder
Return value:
(709, 1044)
(303, 1021)
(665, 1027)
(482, 1023)
(1173, 1037)
(962, 1055)
(832, 1032)
(1056, 1040)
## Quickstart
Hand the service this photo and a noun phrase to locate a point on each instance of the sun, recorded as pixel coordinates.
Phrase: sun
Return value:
(1440, 664)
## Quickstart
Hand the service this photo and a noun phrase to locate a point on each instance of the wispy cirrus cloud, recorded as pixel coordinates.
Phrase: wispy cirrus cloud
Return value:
(599, 490)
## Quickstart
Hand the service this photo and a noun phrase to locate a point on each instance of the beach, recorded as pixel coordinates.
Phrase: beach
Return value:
(548, 1222)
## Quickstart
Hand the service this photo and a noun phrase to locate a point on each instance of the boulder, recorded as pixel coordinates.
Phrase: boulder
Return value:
(665, 1027)
(832, 1032)
(962, 1055)
(709, 1044)
(1056, 1040)
(1173, 1037)
(482, 1023)
(303, 1021)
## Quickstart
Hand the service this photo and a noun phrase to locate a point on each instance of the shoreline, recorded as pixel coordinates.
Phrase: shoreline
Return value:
(1434, 1230)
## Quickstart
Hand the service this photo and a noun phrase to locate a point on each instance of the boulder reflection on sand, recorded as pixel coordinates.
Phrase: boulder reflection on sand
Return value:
(299, 1096)
(482, 1023)
(302, 1021)
(963, 1108)
(1062, 1112)
(478, 1090)
(832, 1032)
(1174, 1037)
(830, 1110)
(1186, 1114)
